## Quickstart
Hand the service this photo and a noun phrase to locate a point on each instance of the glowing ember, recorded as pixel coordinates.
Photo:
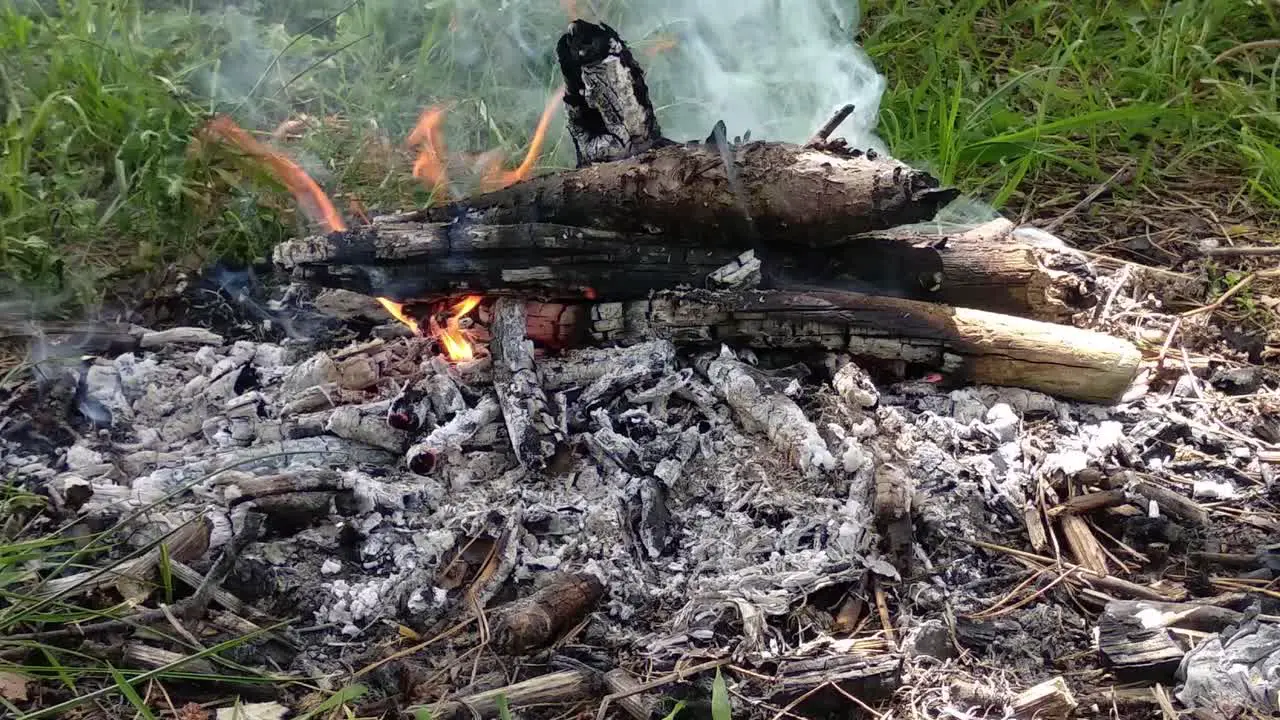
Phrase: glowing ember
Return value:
(429, 167)
(498, 180)
(397, 312)
(310, 197)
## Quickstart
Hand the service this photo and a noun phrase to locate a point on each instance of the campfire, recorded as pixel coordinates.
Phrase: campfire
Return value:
(725, 406)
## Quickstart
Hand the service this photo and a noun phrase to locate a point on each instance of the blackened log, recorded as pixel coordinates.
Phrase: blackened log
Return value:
(409, 260)
(791, 195)
(529, 417)
(971, 346)
(606, 99)
(814, 682)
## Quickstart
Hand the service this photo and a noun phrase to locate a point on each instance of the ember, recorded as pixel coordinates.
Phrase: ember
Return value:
(457, 346)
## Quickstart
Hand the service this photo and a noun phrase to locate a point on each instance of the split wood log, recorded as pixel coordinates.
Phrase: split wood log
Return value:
(972, 346)
(537, 620)
(551, 689)
(1049, 700)
(1085, 548)
(1132, 649)
(636, 703)
(770, 412)
(530, 419)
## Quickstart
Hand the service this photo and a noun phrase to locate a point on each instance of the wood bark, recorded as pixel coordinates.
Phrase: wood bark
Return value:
(530, 419)
(994, 266)
(972, 346)
(1134, 651)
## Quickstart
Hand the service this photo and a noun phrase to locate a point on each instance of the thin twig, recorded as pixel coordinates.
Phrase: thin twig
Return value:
(1246, 47)
(659, 682)
(1244, 251)
(830, 126)
(1124, 172)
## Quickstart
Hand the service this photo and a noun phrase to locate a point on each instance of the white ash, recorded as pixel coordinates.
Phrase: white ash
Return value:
(752, 532)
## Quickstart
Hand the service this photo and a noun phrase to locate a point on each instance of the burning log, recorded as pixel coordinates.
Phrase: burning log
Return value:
(971, 345)
(530, 419)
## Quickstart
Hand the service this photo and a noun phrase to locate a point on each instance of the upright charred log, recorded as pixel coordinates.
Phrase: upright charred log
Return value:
(606, 99)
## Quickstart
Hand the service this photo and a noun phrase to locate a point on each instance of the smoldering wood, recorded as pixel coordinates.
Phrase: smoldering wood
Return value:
(606, 98)
(771, 413)
(972, 346)
(530, 419)
(367, 424)
(412, 260)
(993, 267)
(423, 457)
(555, 688)
(791, 196)
(537, 620)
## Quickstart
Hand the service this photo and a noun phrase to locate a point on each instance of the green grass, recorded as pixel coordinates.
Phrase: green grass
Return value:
(99, 101)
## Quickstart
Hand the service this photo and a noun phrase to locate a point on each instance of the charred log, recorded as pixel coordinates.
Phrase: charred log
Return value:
(410, 260)
(540, 618)
(969, 345)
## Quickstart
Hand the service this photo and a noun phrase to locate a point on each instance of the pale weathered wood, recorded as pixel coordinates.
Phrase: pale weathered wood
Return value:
(551, 689)
(1049, 700)
(1085, 548)
(972, 346)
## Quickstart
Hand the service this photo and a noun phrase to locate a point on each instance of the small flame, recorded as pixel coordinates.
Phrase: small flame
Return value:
(397, 312)
(500, 179)
(429, 166)
(457, 346)
(305, 190)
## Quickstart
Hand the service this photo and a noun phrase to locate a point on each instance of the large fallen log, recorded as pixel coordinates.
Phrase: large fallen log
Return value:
(971, 346)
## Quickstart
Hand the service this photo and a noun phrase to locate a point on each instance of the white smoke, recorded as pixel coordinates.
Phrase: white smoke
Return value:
(776, 68)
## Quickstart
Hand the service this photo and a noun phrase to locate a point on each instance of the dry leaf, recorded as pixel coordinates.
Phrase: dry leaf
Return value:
(13, 687)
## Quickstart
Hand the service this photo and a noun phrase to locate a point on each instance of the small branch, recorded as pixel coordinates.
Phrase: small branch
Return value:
(830, 126)
(1251, 251)
(1121, 175)
(1246, 47)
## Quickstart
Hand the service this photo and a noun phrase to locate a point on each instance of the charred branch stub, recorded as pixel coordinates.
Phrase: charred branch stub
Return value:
(537, 620)
(607, 102)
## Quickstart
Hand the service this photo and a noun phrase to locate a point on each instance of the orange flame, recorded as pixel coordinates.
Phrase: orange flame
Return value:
(430, 165)
(397, 312)
(496, 180)
(305, 190)
(457, 347)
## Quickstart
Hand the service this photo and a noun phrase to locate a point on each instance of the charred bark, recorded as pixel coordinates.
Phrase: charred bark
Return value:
(407, 261)
(781, 193)
(540, 618)
(531, 420)
(606, 99)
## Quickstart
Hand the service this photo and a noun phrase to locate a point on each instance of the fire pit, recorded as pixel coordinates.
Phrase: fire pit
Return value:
(721, 406)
